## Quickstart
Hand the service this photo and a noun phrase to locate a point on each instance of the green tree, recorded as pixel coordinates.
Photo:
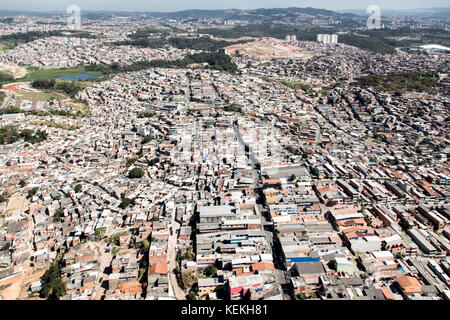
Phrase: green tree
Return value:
(57, 215)
(5, 247)
(136, 173)
(3, 198)
(210, 270)
(192, 296)
(100, 233)
(32, 192)
(78, 188)
(301, 296)
(52, 286)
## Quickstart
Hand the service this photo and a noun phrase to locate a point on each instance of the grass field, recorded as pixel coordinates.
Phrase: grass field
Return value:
(35, 73)
(42, 96)
(54, 125)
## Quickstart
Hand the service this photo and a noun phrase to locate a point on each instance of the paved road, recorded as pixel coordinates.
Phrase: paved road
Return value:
(6, 101)
(174, 288)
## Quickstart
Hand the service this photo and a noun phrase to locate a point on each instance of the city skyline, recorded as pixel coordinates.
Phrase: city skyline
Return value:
(177, 5)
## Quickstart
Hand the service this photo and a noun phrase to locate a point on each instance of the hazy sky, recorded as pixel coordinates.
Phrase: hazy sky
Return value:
(175, 5)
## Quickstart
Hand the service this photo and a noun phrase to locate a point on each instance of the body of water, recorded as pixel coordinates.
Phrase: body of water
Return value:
(77, 76)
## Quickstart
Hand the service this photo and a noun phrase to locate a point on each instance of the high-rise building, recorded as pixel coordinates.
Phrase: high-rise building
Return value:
(334, 38)
(327, 38)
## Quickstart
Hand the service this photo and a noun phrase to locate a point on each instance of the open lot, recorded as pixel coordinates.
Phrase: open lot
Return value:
(269, 48)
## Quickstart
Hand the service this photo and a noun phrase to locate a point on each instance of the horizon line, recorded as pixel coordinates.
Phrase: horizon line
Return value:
(197, 9)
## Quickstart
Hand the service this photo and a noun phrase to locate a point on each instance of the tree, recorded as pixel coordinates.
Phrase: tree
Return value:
(22, 183)
(292, 178)
(144, 245)
(301, 296)
(5, 247)
(192, 296)
(100, 233)
(136, 173)
(57, 216)
(131, 162)
(78, 188)
(114, 251)
(52, 286)
(126, 202)
(210, 270)
(32, 192)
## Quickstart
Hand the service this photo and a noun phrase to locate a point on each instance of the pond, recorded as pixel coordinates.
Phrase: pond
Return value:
(77, 76)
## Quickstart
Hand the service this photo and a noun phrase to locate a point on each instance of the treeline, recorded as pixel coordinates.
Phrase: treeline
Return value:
(5, 77)
(41, 113)
(52, 285)
(399, 82)
(201, 43)
(69, 88)
(279, 31)
(2, 97)
(215, 60)
(377, 41)
(367, 43)
(15, 39)
(9, 134)
(144, 32)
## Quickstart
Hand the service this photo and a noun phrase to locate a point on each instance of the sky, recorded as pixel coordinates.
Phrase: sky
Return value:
(177, 5)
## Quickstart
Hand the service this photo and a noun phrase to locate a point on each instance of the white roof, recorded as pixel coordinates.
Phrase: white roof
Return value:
(382, 254)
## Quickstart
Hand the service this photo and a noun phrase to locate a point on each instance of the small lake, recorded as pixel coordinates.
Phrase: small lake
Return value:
(77, 76)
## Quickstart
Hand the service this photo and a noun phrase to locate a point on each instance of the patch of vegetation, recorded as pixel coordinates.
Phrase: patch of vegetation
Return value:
(398, 82)
(377, 41)
(136, 173)
(305, 87)
(52, 286)
(58, 215)
(5, 247)
(55, 125)
(146, 140)
(5, 77)
(131, 161)
(146, 114)
(2, 97)
(114, 239)
(10, 134)
(68, 87)
(3, 198)
(215, 60)
(100, 233)
(188, 278)
(201, 43)
(13, 40)
(210, 270)
(49, 112)
(232, 108)
(32, 192)
(126, 202)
